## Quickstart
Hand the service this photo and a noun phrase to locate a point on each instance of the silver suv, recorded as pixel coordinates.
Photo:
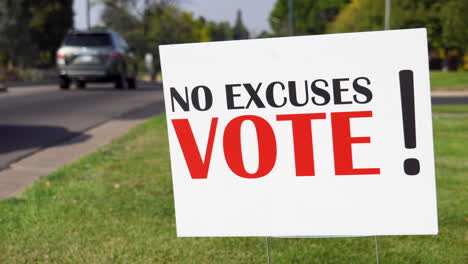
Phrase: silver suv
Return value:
(96, 56)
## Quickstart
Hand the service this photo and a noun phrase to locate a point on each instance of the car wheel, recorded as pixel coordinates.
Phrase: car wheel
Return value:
(131, 83)
(119, 82)
(64, 83)
(81, 85)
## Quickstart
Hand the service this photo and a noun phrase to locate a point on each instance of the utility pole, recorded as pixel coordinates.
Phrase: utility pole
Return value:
(291, 17)
(88, 14)
(387, 14)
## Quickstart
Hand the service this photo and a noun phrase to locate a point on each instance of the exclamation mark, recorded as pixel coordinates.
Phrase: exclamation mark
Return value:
(411, 166)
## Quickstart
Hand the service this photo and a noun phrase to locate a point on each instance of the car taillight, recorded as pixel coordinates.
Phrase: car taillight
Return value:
(60, 56)
(114, 55)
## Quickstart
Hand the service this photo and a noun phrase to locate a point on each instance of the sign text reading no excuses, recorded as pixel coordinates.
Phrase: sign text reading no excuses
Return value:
(320, 92)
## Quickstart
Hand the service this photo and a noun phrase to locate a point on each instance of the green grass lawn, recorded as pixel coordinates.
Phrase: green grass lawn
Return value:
(449, 80)
(116, 206)
(450, 109)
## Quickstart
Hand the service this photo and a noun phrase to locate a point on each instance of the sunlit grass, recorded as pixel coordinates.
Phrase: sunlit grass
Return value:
(449, 80)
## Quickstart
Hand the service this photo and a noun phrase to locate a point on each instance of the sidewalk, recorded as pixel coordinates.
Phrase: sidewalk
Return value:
(453, 93)
(24, 172)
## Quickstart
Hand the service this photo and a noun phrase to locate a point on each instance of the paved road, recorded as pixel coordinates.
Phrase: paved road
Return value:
(32, 118)
(449, 100)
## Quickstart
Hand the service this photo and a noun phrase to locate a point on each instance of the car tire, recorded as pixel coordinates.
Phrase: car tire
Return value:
(131, 83)
(64, 83)
(119, 82)
(81, 85)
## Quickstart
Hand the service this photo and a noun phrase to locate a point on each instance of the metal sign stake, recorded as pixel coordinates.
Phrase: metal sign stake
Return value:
(267, 250)
(377, 249)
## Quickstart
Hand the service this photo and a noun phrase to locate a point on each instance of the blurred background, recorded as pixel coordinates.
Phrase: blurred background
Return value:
(32, 31)
(116, 205)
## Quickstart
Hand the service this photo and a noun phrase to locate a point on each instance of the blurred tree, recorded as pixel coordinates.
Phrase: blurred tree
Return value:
(419, 14)
(240, 31)
(117, 17)
(15, 40)
(445, 20)
(454, 20)
(170, 25)
(146, 24)
(359, 15)
(265, 34)
(133, 17)
(220, 31)
(50, 21)
(364, 15)
(33, 30)
(310, 17)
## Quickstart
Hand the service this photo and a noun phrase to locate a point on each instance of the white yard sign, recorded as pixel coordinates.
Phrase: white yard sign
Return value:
(303, 136)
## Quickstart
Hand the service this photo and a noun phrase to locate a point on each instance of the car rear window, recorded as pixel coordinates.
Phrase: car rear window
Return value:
(87, 40)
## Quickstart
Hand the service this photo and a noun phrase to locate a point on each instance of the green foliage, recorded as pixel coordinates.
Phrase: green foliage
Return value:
(418, 14)
(170, 25)
(446, 21)
(50, 21)
(32, 30)
(15, 40)
(310, 17)
(220, 31)
(359, 15)
(454, 19)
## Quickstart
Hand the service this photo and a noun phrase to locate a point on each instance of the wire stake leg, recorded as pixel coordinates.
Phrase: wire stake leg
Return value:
(267, 250)
(377, 250)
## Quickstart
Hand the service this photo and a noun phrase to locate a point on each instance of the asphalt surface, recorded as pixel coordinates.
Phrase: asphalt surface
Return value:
(32, 118)
(446, 100)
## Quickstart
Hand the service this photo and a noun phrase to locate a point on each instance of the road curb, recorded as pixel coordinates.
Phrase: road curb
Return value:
(30, 83)
(456, 93)
(3, 88)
